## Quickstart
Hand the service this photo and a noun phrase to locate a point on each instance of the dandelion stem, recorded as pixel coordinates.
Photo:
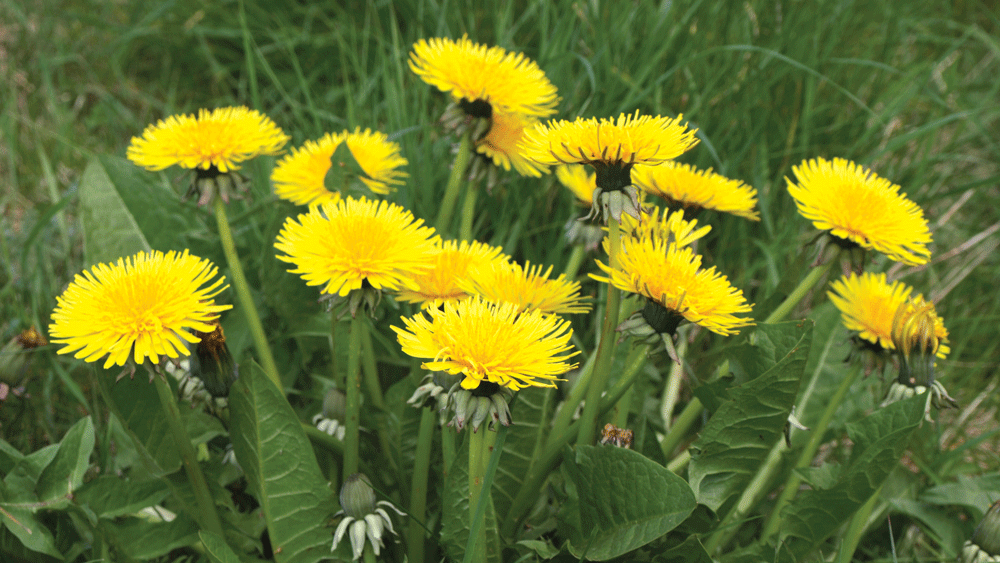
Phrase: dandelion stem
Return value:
(458, 169)
(575, 261)
(565, 415)
(243, 295)
(371, 372)
(773, 523)
(208, 517)
(419, 485)
(799, 292)
(468, 213)
(477, 470)
(606, 347)
(680, 427)
(856, 528)
(353, 417)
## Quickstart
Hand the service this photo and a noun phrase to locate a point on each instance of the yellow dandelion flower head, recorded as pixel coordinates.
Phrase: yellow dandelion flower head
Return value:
(867, 304)
(222, 138)
(527, 287)
(627, 140)
(500, 144)
(341, 245)
(300, 176)
(143, 306)
(686, 186)
(857, 205)
(916, 325)
(577, 179)
(510, 82)
(452, 262)
(492, 342)
(671, 275)
(672, 228)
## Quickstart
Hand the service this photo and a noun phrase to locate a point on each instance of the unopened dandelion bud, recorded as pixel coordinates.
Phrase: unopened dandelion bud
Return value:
(984, 547)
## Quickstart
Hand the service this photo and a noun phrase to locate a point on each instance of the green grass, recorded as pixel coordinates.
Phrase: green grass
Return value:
(908, 89)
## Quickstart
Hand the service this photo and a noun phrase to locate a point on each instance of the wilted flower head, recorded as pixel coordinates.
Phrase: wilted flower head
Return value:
(364, 517)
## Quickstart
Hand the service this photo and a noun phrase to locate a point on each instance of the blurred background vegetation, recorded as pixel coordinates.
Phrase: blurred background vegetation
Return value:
(909, 89)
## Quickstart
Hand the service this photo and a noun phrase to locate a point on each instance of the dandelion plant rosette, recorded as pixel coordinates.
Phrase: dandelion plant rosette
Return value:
(143, 306)
(683, 186)
(490, 342)
(345, 245)
(300, 177)
(859, 207)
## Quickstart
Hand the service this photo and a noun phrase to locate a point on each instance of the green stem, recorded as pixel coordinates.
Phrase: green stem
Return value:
(369, 553)
(606, 347)
(336, 369)
(448, 435)
(752, 494)
(565, 415)
(492, 448)
(323, 440)
(477, 471)
(575, 261)
(419, 485)
(673, 389)
(680, 427)
(243, 295)
(622, 408)
(539, 471)
(371, 372)
(468, 213)
(353, 417)
(855, 529)
(799, 292)
(806, 457)
(458, 169)
(207, 516)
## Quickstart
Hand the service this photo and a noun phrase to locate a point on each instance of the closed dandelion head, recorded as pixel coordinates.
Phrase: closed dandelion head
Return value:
(528, 287)
(612, 147)
(490, 342)
(984, 546)
(364, 518)
(452, 262)
(918, 334)
(301, 177)
(144, 306)
(480, 77)
(670, 276)
(672, 228)
(214, 143)
(858, 207)
(683, 186)
(357, 244)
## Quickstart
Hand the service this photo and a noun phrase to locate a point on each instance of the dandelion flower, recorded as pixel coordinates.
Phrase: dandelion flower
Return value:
(868, 304)
(683, 185)
(627, 140)
(344, 244)
(578, 181)
(527, 287)
(508, 83)
(488, 342)
(300, 177)
(452, 262)
(220, 139)
(856, 205)
(144, 306)
(500, 145)
(612, 147)
(672, 229)
(671, 276)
